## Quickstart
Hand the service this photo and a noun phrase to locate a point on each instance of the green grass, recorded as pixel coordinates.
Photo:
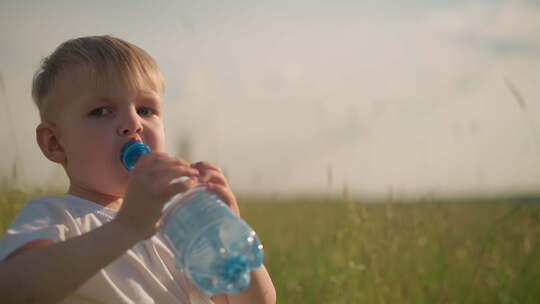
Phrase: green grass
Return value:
(352, 252)
(337, 252)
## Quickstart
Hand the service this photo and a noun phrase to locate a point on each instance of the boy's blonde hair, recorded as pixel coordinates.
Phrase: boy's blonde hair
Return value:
(107, 58)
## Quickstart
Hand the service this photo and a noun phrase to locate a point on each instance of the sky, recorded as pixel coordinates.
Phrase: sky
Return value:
(371, 98)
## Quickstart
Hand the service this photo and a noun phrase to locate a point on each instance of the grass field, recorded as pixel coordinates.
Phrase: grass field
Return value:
(351, 252)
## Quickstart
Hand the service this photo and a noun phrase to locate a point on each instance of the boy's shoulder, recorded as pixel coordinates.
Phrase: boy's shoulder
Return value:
(47, 200)
(45, 208)
(51, 205)
(59, 209)
(47, 204)
(54, 218)
(41, 218)
(63, 203)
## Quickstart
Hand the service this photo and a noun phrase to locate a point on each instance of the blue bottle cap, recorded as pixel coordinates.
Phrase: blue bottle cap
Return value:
(131, 152)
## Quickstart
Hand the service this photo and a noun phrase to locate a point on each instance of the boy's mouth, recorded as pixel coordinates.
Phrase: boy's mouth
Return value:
(133, 138)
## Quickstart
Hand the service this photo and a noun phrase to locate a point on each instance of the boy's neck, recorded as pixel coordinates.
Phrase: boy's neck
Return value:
(109, 201)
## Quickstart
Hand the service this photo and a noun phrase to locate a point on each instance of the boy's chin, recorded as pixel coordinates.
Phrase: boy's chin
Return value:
(118, 191)
(112, 188)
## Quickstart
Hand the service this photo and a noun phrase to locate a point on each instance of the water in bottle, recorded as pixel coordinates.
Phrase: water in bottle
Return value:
(216, 248)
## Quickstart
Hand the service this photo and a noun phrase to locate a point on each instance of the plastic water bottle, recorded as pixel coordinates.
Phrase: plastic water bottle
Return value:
(216, 248)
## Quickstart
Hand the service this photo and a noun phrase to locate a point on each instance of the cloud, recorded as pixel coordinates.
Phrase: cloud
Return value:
(277, 92)
(507, 28)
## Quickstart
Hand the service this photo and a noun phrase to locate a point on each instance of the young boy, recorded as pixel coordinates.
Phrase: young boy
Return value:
(97, 243)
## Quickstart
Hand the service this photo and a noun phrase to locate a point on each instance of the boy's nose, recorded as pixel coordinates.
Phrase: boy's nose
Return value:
(129, 127)
(129, 131)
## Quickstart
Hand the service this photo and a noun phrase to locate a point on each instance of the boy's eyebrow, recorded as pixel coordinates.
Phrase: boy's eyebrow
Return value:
(149, 97)
(90, 101)
(112, 100)
(106, 99)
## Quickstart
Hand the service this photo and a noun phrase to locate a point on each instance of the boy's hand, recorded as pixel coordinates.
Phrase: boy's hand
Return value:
(213, 176)
(149, 188)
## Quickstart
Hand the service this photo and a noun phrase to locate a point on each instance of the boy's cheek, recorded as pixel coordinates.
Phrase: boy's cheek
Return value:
(156, 143)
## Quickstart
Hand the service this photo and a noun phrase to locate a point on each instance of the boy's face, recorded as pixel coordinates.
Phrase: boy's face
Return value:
(93, 124)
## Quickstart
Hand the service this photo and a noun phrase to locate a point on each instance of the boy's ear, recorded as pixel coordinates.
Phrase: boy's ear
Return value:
(49, 143)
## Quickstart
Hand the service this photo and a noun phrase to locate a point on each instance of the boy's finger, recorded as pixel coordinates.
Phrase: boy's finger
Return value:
(170, 171)
(226, 195)
(180, 185)
(182, 162)
(213, 177)
(161, 159)
(205, 165)
(171, 162)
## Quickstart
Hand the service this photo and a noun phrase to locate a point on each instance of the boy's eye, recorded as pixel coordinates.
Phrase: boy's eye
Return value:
(102, 111)
(144, 111)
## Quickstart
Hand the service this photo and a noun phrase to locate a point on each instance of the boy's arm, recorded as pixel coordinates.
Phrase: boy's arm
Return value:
(42, 272)
(45, 273)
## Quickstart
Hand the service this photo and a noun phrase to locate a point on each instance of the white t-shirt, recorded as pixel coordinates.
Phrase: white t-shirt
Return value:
(144, 274)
